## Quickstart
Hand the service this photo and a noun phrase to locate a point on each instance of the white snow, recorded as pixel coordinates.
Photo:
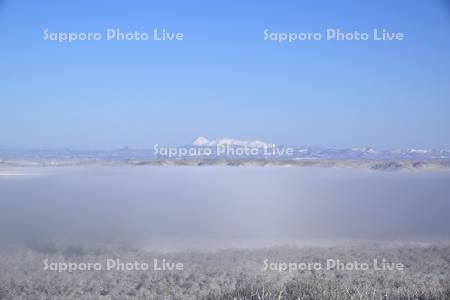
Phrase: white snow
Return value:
(202, 141)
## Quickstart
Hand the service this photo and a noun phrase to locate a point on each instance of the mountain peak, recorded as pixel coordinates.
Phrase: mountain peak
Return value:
(200, 141)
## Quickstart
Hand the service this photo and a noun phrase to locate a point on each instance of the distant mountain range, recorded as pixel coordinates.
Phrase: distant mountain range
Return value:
(327, 153)
(216, 150)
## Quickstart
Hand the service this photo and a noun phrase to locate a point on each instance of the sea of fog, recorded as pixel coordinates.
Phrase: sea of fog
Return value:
(176, 207)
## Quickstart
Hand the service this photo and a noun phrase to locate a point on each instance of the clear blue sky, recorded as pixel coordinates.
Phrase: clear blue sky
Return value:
(224, 79)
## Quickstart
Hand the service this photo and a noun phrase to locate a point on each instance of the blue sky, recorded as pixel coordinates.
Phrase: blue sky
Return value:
(223, 79)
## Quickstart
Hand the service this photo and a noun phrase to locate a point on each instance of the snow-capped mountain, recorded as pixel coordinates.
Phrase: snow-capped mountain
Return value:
(200, 141)
(204, 142)
(325, 153)
(202, 147)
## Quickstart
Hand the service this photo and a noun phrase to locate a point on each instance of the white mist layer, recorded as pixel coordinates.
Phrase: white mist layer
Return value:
(148, 203)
